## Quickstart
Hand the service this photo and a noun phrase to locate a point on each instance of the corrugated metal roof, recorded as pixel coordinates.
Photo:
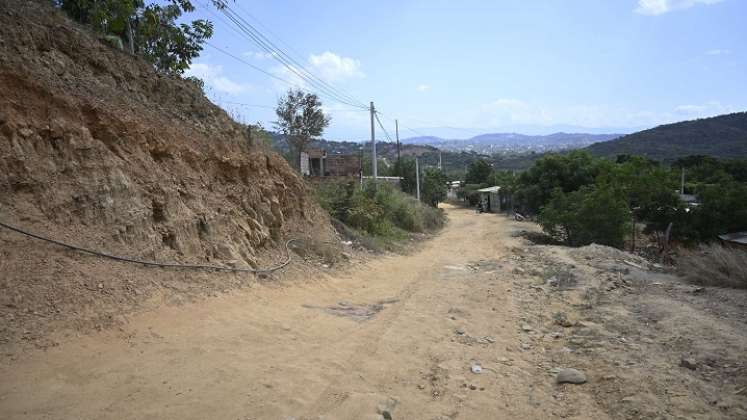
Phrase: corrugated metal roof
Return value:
(737, 237)
(490, 189)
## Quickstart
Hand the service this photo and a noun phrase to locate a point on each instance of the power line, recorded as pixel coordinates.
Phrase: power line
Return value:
(290, 57)
(382, 127)
(247, 33)
(288, 62)
(261, 70)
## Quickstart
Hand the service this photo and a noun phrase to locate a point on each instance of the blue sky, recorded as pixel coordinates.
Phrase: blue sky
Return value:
(459, 68)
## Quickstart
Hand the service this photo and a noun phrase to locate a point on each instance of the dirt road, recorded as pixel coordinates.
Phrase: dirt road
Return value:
(303, 350)
(395, 337)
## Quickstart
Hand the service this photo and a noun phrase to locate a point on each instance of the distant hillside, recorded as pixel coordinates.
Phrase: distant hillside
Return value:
(512, 142)
(384, 149)
(724, 136)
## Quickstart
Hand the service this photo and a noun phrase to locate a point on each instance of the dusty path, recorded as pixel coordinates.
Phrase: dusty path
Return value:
(304, 350)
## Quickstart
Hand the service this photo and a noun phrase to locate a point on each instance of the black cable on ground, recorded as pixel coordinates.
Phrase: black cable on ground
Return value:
(153, 263)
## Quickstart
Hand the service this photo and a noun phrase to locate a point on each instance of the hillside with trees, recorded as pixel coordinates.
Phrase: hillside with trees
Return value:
(724, 136)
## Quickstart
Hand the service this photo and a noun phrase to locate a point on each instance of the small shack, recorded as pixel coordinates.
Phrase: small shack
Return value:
(490, 197)
(734, 240)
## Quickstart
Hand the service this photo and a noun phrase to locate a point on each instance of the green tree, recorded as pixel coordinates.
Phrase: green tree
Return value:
(149, 31)
(479, 172)
(405, 168)
(591, 214)
(300, 119)
(723, 209)
(567, 172)
(433, 189)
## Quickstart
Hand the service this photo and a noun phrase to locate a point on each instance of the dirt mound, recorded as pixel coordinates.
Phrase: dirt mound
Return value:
(606, 253)
(98, 150)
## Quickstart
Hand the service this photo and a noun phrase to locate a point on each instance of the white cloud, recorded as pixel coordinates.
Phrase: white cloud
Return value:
(332, 67)
(718, 51)
(423, 88)
(213, 77)
(660, 7)
(328, 66)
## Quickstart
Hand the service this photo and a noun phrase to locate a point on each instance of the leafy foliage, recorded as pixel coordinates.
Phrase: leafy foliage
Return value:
(557, 187)
(592, 214)
(479, 172)
(433, 189)
(300, 118)
(149, 30)
(567, 172)
(382, 211)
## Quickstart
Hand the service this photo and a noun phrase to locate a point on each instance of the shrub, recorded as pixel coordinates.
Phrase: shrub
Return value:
(593, 214)
(714, 265)
(382, 211)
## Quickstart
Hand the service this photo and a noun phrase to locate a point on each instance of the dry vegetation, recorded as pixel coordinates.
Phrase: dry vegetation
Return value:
(715, 265)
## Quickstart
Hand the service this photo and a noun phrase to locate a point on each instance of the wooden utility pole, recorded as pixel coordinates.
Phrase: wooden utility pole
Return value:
(373, 144)
(417, 178)
(399, 161)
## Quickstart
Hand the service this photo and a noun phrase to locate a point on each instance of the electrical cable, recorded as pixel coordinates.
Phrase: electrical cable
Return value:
(153, 263)
(286, 60)
(382, 127)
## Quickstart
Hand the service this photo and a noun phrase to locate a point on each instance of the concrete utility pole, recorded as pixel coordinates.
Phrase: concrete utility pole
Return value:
(373, 144)
(682, 181)
(439, 161)
(417, 178)
(396, 132)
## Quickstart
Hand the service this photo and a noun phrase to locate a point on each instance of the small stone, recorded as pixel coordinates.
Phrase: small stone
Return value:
(570, 376)
(689, 362)
(101, 285)
(460, 331)
(526, 328)
(472, 387)
(476, 368)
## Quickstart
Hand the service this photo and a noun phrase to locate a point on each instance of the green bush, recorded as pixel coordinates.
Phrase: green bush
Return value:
(382, 211)
(592, 214)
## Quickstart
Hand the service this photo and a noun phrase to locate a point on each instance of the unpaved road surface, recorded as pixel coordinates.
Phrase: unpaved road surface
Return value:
(396, 337)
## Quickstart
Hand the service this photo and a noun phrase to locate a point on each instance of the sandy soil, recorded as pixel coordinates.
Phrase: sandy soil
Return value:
(394, 337)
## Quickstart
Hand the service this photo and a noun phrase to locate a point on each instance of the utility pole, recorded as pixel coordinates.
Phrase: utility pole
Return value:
(399, 162)
(373, 144)
(439, 161)
(682, 181)
(417, 177)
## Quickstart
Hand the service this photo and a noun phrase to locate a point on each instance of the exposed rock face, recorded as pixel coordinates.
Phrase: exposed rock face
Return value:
(95, 143)
(99, 150)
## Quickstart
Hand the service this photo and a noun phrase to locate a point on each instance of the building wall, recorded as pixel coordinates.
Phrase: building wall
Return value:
(305, 164)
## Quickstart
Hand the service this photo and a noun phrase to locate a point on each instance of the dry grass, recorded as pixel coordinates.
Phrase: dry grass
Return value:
(714, 265)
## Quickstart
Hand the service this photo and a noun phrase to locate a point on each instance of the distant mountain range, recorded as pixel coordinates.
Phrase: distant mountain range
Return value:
(513, 142)
(724, 136)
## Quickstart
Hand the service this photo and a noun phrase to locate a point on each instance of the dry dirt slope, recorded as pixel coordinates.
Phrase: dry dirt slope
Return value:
(98, 150)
